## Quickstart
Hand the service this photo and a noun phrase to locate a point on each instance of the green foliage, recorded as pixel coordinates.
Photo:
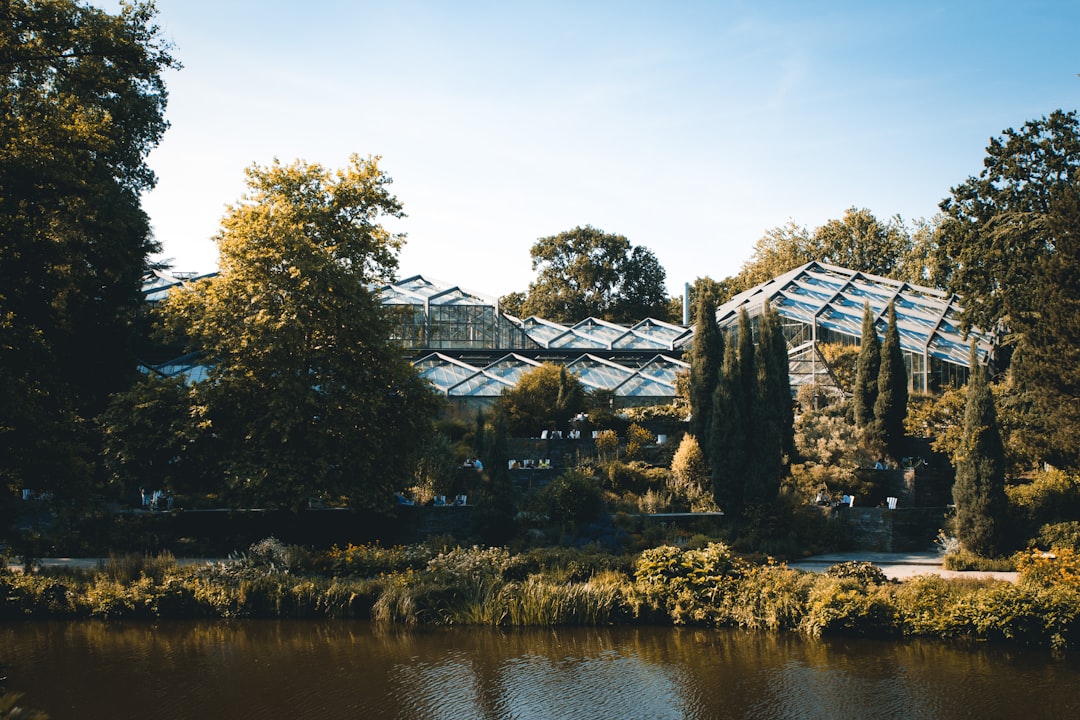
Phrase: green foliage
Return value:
(152, 440)
(607, 443)
(575, 496)
(1060, 535)
(634, 476)
(586, 272)
(727, 444)
(849, 606)
(991, 239)
(843, 361)
(890, 406)
(979, 490)
(545, 397)
(689, 483)
(858, 241)
(637, 438)
(83, 103)
(1048, 496)
(1047, 363)
(372, 559)
(305, 395)
(688, 586)
(706, 360)
(865, 391)
(831, 449)
(865, 572)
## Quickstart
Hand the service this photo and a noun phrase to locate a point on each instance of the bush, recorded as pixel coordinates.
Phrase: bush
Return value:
(848, 606)
(1060, 535)
(372, 560)
(865, 572)
(573, 497)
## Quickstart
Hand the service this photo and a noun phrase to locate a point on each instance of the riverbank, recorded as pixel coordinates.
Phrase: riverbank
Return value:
(895, 566)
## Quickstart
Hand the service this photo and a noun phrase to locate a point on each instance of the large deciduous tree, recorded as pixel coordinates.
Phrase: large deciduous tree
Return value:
(586, 272)
(979, 490)
(1007, 246)
(857, 241)
(305, 394)
(991, 237)
(545, 397)
(82, 103)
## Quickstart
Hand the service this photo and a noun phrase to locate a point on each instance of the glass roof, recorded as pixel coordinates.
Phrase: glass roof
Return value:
(455, 378)
(927, 319)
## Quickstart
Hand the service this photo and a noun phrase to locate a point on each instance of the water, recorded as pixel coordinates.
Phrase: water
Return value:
(270, 670)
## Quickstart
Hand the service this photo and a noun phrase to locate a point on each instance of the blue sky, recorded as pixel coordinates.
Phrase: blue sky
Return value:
(689, 127)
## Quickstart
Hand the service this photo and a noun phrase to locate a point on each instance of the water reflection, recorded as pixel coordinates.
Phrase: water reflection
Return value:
(346, 670)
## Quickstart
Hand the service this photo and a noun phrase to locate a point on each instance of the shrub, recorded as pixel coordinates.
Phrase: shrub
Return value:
(1060, 535)
(769, 597)
(848, 606)
(1051, 496)
(865, 572)
(1059, 566)
(575, 496)
(686, 585)
(637, 438)
(371, 560)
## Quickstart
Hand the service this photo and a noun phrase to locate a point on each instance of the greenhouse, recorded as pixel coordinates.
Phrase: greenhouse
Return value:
(467, 348)
(823, 304)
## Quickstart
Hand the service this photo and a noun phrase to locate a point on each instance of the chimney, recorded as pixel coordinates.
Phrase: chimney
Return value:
(686, 305)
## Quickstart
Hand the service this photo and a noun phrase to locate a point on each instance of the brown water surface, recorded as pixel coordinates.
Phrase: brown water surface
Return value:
(271, 670)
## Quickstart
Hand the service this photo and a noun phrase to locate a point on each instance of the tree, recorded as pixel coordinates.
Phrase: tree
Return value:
(890, 407)
(867, 369)
(728, 441)
(706, 359)
(979, 490)
(545, 397)
(305, 394)
(151, 440)
(1047, 362)
(82, 103)
(991, 238)
(858, 241)
(770, 415)
(586, 272)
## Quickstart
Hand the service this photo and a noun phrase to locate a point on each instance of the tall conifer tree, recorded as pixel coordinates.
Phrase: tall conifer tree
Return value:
(728, 437)
(706, 360)
(890, 408)
(979, 490)
(866, 373)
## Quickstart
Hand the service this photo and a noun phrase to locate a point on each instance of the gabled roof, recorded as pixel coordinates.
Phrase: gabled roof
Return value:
(928, 320)
(421, 290)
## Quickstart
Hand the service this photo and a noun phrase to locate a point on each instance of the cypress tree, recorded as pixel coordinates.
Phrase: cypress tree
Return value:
(747, 366)
(979, 490)
(866, 373)
(727, 441)
(890, 408)
(780, 383)
(706, 359)
(768, 414)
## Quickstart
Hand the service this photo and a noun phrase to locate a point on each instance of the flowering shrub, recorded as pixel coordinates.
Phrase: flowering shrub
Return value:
(372, 559)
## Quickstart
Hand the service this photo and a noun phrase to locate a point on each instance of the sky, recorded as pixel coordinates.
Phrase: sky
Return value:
(691, 128)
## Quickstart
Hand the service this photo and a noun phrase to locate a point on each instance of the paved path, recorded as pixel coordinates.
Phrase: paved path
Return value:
(898, 566)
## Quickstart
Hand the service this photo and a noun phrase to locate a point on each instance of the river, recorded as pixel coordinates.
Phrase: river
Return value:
(296, 669)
